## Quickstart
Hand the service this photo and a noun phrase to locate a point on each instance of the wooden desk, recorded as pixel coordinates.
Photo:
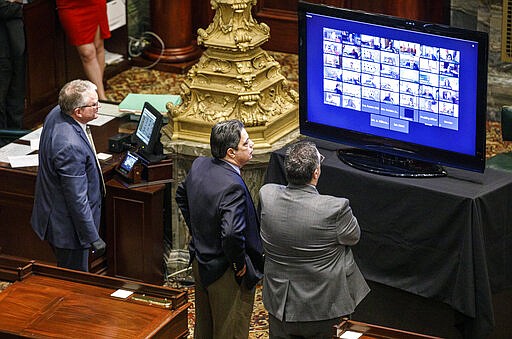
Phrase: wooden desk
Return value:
(50, 302)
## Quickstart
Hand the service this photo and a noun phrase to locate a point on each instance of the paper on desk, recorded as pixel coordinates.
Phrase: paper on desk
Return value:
(104, 156)
(100, 120)
(122, 294)
(35, 134)
(112, 58)
(24, 160)
(110, 109)
(13, 149)
(34, 144)
(350, 335)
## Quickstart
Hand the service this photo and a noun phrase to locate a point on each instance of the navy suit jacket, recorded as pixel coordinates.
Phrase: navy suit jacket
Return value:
(67, 206)
(220, 214)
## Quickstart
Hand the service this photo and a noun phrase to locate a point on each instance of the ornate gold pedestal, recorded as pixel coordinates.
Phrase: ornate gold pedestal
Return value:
(234, 79)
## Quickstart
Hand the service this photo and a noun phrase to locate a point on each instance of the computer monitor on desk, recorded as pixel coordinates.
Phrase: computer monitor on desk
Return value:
(147, 134)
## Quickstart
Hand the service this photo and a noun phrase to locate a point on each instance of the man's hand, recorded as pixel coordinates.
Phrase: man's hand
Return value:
(98, 247)
(241, 273)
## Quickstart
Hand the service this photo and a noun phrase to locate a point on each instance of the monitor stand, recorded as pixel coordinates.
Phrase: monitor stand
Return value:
(390, 165)
(151, 158)
(156, 156)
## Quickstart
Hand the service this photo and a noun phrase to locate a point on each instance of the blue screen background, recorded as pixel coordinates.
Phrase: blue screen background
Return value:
(461, 140)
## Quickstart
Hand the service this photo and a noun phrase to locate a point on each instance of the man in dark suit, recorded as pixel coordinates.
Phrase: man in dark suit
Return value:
(225, 249)
(311, 279)
(68, 194)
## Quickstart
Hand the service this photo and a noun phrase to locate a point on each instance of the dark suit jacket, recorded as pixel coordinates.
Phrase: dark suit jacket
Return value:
(310, 272)
(67, 206)
(220, 214)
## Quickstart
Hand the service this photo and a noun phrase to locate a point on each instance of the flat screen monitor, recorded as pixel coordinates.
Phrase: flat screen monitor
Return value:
(407, 97)
(147, 134)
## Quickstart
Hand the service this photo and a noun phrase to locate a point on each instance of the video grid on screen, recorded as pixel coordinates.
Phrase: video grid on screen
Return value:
(387, 78)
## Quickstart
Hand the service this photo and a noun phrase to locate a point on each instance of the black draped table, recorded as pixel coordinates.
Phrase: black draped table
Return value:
(447, 238)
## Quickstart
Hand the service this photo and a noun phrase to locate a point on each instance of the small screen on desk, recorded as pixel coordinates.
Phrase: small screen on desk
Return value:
(128, 162)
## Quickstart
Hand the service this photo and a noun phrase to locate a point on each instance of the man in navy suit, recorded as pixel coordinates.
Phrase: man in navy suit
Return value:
(225, 249)
(67, 206)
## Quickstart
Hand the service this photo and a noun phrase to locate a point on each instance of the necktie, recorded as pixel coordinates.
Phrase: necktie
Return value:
(91, 141)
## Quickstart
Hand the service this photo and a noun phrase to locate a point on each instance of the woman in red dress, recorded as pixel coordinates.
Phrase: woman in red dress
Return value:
(86, 25)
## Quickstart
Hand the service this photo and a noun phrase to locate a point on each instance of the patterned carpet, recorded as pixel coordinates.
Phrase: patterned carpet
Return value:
(495, 144)
(259, 324)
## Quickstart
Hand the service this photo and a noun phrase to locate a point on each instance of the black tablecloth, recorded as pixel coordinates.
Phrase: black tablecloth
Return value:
(447, 238)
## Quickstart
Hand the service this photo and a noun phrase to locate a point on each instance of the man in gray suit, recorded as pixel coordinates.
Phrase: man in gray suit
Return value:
(311, 279)
(69, 190)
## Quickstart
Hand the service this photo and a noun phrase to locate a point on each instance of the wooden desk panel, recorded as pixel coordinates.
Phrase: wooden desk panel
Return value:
(16, 201)
(48, 302)
(135, 232)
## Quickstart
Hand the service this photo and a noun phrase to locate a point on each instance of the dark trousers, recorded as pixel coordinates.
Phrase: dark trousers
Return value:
(12, 65)
(73, 259)
(322, 329)
(223, 309)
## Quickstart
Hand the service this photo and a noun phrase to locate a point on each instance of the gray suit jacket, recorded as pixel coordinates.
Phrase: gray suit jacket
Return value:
(310, 272)
(67, 206)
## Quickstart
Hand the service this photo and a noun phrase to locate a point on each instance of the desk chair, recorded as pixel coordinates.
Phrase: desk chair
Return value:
(503, 161)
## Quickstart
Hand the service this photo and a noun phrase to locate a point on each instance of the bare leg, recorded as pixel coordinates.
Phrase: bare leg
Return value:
(100, 55)
(93, 62)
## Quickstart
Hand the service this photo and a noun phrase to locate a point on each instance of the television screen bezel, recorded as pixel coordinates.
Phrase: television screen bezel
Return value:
(475, 162)
(146, 150)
